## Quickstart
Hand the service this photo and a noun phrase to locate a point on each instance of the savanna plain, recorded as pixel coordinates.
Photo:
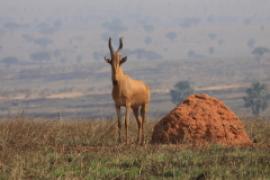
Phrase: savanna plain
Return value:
(87, 149)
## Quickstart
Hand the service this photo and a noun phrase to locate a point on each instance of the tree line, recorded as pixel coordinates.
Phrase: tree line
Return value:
(256, 96)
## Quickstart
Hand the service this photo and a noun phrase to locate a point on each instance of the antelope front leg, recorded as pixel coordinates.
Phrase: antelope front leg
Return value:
(126, 122)
(118, 123)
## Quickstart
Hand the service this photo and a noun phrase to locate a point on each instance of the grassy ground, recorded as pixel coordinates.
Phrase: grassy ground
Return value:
(44, 149)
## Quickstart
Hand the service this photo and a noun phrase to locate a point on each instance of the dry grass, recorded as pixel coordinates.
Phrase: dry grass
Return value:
(50, 149)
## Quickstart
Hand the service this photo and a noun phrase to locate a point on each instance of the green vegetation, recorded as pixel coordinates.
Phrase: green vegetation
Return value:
(257, 98)
(171, 36)
(181, 90)
(259, 52)
(47, 149)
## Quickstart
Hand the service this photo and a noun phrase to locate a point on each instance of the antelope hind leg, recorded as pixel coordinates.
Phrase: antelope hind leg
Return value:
(143, 111)
(126, 122)
(139, 123)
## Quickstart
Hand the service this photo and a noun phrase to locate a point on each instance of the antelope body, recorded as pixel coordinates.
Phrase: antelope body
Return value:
(127, 92)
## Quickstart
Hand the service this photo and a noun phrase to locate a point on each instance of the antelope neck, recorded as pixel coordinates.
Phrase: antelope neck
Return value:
(121, 75)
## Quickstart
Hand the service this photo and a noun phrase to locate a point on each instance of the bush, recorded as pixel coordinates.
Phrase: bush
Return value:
(257, 98)
(181, 90)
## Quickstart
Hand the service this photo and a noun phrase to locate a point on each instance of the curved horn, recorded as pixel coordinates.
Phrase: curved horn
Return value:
(120, 44)
(110, 46)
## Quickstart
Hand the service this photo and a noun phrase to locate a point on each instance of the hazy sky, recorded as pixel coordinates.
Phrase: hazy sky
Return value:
(234, 23)
(160, 8)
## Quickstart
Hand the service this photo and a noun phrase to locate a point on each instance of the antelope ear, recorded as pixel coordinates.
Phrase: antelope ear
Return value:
(124, 59)
(107, 60)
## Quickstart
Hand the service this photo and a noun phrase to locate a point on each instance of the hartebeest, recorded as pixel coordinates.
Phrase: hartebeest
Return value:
(128, 93)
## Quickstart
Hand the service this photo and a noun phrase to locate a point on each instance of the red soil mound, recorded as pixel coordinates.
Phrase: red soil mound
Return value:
(201, 120)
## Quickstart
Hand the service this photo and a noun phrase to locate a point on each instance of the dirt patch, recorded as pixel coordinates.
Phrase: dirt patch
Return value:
(65, 95)
(201, 120)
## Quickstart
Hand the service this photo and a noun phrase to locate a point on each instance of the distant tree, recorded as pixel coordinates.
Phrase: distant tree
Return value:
(188, 22)
(194, 55)
(148, 28)
(220, 42)
(43, 41)
(10, 60)
(115, 26)
(259, 52)
(46, 28)
(141, 53)
(79, 58)
(27, 37)
(247, 21)
(57, 23)
(57, 53)
(147, 40)
(181, 90)
(40, 56)
(13, 26)
(212, 36)
(211, 50)
(256, 98)
(171, 36)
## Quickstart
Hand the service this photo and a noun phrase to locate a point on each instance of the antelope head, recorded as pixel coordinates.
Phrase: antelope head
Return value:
(116, 60)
